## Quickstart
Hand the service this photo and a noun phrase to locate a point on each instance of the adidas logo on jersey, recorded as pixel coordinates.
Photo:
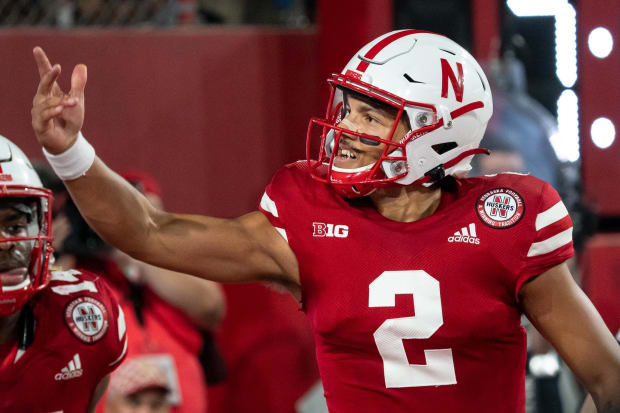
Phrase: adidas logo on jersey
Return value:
(72, 370)
(468, 237)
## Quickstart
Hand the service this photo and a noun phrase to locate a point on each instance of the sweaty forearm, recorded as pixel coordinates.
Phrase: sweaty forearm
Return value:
(112, 207)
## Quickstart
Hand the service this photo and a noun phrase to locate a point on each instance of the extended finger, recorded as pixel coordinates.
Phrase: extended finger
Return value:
(78, 80)
(43, 63)
(47, 80)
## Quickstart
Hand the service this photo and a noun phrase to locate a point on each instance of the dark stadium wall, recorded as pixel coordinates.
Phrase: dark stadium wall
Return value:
(210, 113)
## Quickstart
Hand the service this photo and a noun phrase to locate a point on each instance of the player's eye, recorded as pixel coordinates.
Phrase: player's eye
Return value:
(371, 119)
(15, 228)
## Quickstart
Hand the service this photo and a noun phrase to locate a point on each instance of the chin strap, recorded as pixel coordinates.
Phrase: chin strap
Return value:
(439, 172)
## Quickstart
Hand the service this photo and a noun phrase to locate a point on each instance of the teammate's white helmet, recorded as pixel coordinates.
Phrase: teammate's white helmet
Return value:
(441, 89)
(18, 179)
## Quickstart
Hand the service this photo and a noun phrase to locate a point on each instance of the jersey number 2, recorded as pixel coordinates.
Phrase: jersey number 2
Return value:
(439, 367)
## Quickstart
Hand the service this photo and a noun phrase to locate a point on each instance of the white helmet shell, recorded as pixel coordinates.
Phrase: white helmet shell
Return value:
(16, 168)
(432, 69)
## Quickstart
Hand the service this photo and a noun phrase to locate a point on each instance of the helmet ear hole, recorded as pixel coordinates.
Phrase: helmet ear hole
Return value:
(423, 118)
(442, 148)
(393, 168)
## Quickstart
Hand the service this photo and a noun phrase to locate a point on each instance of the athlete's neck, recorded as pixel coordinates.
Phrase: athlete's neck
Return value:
(405, 203)
(8, 328)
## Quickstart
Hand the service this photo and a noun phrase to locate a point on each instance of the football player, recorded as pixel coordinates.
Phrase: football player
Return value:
(414, 277)
(61, 332)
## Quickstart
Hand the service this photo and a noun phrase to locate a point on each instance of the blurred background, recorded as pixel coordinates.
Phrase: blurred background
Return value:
(210, 97)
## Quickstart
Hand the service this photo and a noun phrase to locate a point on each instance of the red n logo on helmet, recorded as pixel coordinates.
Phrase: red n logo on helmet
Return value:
(448, 74)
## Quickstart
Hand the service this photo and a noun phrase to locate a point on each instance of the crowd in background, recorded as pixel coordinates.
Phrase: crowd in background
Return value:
(160, 13)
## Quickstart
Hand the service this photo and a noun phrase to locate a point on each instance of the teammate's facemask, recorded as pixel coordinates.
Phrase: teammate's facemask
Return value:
(25, 230)
(432, 80)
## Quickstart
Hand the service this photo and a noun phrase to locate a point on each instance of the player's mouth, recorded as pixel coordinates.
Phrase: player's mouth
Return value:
(13, 276)
(348, 157)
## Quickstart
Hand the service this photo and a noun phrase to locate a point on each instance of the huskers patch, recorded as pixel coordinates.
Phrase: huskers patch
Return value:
(87, 318)
(500, 208)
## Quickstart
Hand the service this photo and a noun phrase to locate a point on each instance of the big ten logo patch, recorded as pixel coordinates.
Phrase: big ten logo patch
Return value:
(321, 229)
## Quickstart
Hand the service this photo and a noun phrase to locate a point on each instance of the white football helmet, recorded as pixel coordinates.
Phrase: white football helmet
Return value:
(429, 78)
(18, 179)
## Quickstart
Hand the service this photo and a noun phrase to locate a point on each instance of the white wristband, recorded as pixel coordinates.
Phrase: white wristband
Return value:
(75, 161)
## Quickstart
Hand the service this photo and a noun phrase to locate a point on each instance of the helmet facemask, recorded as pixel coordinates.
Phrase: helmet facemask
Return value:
(391, 164)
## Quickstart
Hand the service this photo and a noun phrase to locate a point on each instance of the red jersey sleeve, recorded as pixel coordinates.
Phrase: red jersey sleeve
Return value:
(274, 200)
(552, 241)
(116, 341)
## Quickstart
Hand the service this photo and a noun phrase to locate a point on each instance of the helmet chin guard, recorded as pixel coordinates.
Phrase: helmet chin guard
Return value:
(433, 83)
(19, 180)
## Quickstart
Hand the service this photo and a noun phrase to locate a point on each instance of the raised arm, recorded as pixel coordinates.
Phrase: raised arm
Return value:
(228, 250)
(564, 315)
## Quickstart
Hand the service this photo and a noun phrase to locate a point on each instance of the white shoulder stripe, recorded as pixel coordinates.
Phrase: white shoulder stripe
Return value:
(122, 354)
(74, 288)
(268, 205)
(282, 232)
(121, 323)
(553, 214)
(68, 276)
(551, 244)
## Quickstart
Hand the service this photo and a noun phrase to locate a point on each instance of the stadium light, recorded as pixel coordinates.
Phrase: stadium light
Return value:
(566, 142)
(534, 8)
(603, 133)
(600, 42)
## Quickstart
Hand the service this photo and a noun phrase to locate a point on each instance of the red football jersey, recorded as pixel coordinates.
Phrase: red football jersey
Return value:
(79, 338)
(421, 315)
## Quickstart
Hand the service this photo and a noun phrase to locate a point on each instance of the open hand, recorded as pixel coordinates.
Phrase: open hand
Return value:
(57, 117)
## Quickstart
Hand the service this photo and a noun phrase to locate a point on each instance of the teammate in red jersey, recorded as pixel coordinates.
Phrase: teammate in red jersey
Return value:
(414, 278)
(61, 332)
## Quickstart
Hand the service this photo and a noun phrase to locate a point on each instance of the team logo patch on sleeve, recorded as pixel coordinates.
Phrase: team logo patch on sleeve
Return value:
(87, 318)
(500, 208)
